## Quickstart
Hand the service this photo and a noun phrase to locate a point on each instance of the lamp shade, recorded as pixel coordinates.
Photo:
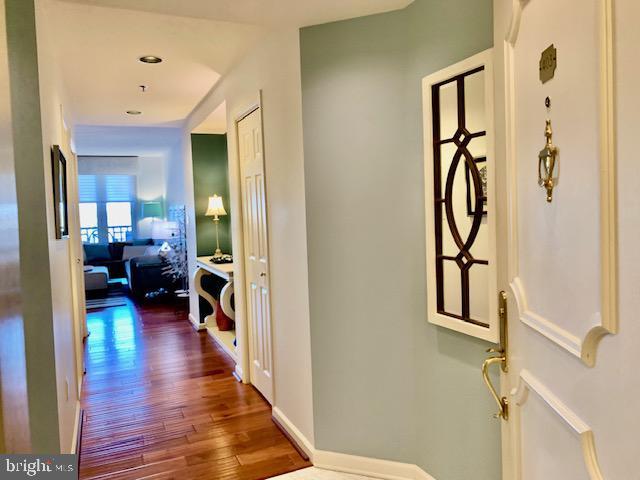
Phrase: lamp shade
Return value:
(151, 209)
(215, 207)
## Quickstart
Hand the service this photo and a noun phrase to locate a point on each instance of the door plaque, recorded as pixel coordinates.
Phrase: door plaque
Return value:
(548, 64)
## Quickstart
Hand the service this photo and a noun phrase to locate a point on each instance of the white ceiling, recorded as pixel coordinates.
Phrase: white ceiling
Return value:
(270, 13)
(98, 42)
(118, 141)
(98, 50)
(216, 122)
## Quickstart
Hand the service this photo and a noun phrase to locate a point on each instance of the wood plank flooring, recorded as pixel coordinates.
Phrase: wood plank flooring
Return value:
(160, 403)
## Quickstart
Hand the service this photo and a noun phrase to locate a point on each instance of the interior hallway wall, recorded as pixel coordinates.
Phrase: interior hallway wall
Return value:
(52, 98)
(386, 383)
(45, 262)
(273, 68)
(179, 191)
(14, 409)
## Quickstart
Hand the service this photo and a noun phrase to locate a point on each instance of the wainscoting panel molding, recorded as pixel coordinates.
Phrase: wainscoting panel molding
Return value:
(584, 343)
(528, 383)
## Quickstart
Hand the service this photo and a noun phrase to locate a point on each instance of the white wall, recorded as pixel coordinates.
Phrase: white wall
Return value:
(179, 191)
(274, 68)
(60, 256)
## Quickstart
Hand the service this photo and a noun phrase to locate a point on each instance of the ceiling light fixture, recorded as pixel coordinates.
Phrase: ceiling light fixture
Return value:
(150, 59)
(134, 112)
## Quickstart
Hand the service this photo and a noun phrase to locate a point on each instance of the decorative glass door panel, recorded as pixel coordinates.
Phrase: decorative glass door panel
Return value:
(459, 204)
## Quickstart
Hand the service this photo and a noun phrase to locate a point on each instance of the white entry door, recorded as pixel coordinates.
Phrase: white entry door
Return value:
(256, 254)
(560, 221)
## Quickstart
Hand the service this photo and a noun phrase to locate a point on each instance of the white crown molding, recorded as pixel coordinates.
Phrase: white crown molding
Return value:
(527, 383)
(340, 462)
(586, 347)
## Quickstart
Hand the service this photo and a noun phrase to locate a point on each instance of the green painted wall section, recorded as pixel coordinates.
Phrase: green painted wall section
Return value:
(210, 176)
(386, 383)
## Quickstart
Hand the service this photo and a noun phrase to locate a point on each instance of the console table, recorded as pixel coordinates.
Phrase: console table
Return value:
(226, 338)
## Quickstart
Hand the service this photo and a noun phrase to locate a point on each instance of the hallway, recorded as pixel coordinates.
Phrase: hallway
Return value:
(160, 402)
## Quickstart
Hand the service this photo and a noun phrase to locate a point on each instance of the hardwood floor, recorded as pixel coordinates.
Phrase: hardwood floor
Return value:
(160, 403)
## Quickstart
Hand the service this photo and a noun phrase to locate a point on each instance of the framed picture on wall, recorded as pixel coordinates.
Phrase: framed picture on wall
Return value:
(59, 173)
(481, 163)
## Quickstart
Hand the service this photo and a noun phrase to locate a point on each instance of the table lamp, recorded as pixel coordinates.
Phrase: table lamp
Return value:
(214, 209)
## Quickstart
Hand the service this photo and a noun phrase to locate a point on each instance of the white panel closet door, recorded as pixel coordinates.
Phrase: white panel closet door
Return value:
(562, 260)
(256, 255)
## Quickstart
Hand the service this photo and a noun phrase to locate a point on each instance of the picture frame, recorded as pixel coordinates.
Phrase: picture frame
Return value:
(60, 208)
(470, 195)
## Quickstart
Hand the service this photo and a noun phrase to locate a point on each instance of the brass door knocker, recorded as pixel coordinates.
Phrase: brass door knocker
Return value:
(547, 163)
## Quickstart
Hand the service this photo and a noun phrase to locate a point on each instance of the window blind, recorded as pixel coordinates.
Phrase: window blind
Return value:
(106, 188)
(87, 188)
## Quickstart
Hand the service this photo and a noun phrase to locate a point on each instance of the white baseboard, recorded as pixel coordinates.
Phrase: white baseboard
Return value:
(75, 440)
(196, 324)
(341, 462)
(302, 441)
(368, 467)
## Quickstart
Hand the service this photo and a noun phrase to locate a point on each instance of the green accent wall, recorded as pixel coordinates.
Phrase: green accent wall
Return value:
(210, 176)
(386, 383)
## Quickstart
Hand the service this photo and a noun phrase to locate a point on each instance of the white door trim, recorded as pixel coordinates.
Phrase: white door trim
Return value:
(584, 348)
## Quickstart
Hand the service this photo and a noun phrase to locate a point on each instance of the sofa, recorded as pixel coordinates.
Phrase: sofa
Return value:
(96, 281)
(145, 275)
(111, 255)
(139, 262)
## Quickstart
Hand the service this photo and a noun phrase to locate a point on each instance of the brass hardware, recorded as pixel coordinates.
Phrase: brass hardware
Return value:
(501, 357)
(504, 330)
(548, 63)
(547, 163)
(503, 404)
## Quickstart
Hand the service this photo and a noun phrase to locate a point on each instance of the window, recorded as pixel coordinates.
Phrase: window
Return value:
(89, 222)
(118, 220)
(107, 208)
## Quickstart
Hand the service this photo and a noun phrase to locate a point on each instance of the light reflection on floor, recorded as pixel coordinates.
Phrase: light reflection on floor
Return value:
(112, 330)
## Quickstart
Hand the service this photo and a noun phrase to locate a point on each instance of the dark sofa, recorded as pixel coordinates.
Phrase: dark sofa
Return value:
(145, 275)
(110, 255)
(143, 271)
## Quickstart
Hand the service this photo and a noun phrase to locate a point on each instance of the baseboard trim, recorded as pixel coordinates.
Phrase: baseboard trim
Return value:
(77, 430)
(293, 441)
(368, 467)
(341, 462)
(295, 435)
(196, 324)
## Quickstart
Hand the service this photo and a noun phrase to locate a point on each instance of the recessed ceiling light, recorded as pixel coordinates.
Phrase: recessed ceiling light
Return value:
(134, 112)
(150, 59)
